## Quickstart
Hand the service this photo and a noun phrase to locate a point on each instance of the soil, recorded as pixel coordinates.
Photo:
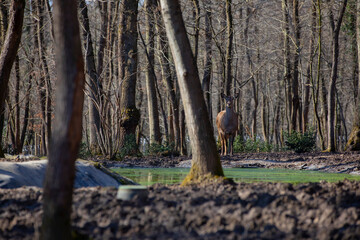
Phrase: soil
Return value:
(217, 211)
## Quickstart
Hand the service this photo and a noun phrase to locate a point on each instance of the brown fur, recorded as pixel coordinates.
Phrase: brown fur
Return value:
(227, 125)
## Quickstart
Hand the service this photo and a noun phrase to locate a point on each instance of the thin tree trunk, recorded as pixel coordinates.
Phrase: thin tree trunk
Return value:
(295, 80)
(229, 33)
(205, 158)
(93, 86)
(334, 69)
(9, 51)
(196, 14)
(206, 81)
(46, 85)
(309, 71)
(17, 145)
(318, 78)
(67, 130)
(287, 76)
(153, 110)
(168, 79)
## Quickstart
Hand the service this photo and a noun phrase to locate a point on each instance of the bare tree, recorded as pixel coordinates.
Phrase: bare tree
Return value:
(205, 158)
(68, 123)
(130, 115)
(153, 111)
(353, 143)
(93, 85)
(9, 50)
(335, 27)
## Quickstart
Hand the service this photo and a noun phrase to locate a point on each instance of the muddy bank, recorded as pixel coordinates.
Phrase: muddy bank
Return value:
(345, 162)
(246, 211)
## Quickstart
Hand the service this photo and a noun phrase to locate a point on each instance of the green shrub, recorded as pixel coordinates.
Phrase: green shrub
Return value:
(84, 151)
(250, 145)
(300, 142)
(129, 147)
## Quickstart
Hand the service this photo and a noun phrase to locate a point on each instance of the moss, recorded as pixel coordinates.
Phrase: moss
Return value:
(353, 143)
(130, 116)
(194, 177)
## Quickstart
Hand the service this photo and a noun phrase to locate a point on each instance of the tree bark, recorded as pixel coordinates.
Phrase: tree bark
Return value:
(205, 158)
(152, 101)
(68, 123)
(295, 80)
(229, 33)
(206, 81)
(93, 86)
(334, 71)
(309, 71)
(353, 143)
(196, 14)
(130, 115)
(287, 76)
(9, 51)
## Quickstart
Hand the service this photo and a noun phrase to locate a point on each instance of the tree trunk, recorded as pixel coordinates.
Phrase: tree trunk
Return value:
(196, 15)
(353, 143)
(45, 76)
(295, 80)
(153, 110)
(229, 33)
(9, 51)
(206, 81)
(287, 76)
(334, 69)
(3, 23)
(205, 158)
(130, 115)
(17, 145)
(309, 71)
(67, 130)
(93, 90)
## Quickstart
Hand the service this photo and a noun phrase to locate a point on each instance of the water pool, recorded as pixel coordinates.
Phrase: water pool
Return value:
(149, 176)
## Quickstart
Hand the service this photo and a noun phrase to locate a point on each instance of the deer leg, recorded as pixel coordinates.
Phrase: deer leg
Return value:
(231, 142)
(225, 144)
(222, 144)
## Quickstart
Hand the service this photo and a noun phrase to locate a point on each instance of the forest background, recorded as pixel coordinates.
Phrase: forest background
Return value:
(294, 64)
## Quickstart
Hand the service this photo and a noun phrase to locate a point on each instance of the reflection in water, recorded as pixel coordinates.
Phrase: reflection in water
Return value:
(149, 176)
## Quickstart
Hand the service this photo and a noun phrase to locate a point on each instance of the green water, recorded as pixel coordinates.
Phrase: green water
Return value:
(149, 176)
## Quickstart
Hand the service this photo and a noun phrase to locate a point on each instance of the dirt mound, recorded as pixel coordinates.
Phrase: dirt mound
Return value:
(247, 211)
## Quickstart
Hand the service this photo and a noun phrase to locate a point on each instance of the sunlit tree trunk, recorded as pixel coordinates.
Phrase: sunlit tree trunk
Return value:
(9, 51)
(205, 158)
(60, 173)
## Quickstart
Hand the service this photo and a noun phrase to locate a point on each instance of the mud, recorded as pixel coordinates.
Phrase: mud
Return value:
(233, 211)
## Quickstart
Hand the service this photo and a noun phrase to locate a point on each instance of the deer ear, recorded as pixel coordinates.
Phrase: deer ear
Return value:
(223, 95)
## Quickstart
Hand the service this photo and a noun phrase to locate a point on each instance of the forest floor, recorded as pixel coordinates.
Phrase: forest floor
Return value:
(231, 211)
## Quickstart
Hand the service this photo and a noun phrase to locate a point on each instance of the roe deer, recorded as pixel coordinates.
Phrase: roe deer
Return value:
(227, 125)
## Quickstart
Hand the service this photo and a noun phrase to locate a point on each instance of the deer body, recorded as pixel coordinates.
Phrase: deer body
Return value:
(227, 125)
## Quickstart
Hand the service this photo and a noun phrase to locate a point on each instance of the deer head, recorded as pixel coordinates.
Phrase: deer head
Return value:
(229, 100)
